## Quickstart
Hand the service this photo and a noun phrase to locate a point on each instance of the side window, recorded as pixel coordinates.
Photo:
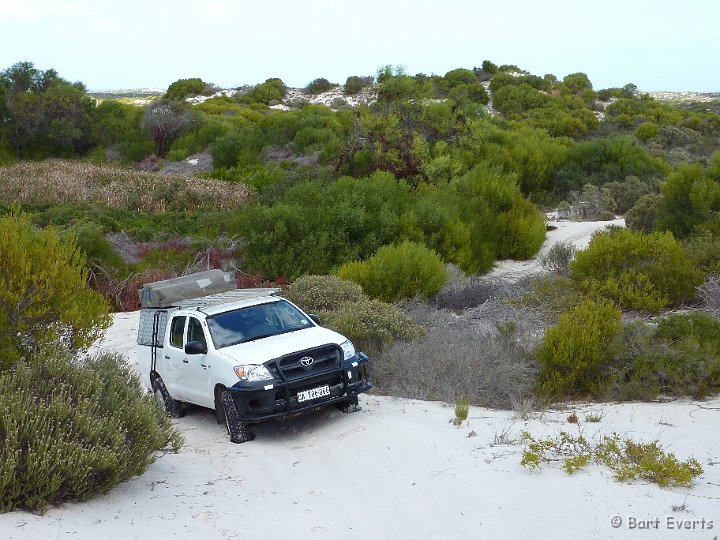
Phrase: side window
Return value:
(177, 328)
(195, 331)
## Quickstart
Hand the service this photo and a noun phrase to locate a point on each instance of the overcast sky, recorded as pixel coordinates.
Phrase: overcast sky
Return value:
(655, 44)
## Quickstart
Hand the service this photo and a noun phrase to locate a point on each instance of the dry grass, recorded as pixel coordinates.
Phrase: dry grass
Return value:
(484, 353)
(57, 181)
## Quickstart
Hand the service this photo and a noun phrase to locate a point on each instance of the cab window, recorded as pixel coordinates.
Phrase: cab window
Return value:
(177, 329)
(195, 331)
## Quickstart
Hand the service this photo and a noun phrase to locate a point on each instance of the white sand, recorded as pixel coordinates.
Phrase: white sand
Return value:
(398, 469)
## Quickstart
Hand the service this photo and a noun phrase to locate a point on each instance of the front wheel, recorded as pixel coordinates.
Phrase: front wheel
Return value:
(239, 431)
(172, 407)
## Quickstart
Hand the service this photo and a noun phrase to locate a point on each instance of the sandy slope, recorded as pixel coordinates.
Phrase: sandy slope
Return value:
(397, 469)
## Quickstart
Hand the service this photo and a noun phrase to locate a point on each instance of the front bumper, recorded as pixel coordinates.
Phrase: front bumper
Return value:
(278, 398)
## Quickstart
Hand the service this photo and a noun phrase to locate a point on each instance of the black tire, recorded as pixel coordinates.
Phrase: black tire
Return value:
(172, 407)
(350, 405)
(219, 409)
(239, 432)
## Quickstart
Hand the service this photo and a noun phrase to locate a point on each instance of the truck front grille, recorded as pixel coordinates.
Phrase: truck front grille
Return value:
(310, 362)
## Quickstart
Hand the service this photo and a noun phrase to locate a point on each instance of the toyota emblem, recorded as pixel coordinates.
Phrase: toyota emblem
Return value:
(307, 361)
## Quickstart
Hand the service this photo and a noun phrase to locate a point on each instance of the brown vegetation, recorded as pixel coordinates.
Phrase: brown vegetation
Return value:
(68, 181)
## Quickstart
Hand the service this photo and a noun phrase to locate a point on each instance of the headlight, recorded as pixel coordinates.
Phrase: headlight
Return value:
(252, 373)
(348, 348)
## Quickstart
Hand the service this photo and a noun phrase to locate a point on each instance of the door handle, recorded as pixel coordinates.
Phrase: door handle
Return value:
(204, 366)
(166, 356)
(185, 360)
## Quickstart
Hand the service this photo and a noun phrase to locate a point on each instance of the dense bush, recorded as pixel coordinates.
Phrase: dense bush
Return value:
(704, 251)
(398, 271)
(318, 86)
(691, 196)
(637, 270)
(272, 90)
(591, 204)
(44, 295)
(43, 115)
(183, 88)
(575, 354)
(643, 215)
(315, 228)
(323, 293)
(70, 430)
(354, 84)
(646, 131)
(370, 324)
(628, 192)
(605, 160)
(679, 357)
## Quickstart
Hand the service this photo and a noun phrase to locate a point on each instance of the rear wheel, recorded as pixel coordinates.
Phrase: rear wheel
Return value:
(239, 431)
(350, 405)
(172, 407)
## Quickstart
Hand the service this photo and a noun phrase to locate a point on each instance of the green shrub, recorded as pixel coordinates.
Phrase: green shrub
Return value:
(646, 131)
(637, 270)
(575, 354)
(272, 89)
(398, 271)
(318, 86)
(370, 324)
(354, 84)
(462, 409)
(629, 460)
(323, 293)
(183, 88)
(44, 295)
(70, 430)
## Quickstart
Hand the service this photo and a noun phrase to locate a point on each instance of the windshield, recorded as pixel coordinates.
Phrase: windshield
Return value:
(255, 322)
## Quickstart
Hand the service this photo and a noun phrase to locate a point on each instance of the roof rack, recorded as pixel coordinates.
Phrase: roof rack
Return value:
(226, 297)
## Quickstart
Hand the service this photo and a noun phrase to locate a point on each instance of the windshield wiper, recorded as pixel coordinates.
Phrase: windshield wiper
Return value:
(263, 336)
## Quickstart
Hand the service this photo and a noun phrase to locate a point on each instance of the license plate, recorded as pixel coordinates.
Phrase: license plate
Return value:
(313, 393)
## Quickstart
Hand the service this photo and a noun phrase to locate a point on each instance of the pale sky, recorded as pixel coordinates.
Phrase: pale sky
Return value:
(655, 44)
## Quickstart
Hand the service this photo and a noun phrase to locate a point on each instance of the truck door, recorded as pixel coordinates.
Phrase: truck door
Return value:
(174, 359)
(196, 373)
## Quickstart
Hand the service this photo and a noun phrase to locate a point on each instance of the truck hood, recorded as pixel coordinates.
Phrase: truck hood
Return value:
(262, 350)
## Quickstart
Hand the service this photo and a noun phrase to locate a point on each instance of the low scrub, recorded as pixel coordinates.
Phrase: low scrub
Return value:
(70, 430)
(628, 459)
(53, 182)
(370, 324)
(484, 354)
(558, 258)
(469, 294)
(323, 293)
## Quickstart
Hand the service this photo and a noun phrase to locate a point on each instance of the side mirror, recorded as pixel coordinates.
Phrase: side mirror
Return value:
(314, 318)
(195, 347)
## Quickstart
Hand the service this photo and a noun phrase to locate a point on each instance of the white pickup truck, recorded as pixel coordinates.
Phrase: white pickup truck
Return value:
(246, 353)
